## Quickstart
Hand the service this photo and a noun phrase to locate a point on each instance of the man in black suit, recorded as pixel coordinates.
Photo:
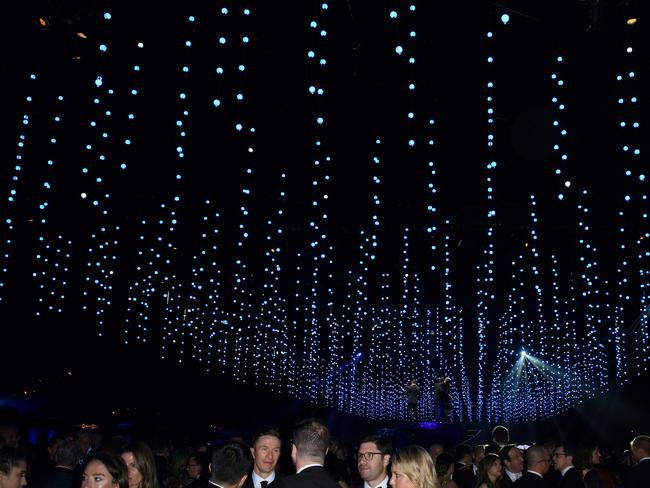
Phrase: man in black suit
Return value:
(373, 459)
(413, 395)
(310, 441)
(466, 476)
(563, 461)
(513, 463)
(463, 472)
(62, 475)
(266, 453)
(539, 462)
(229, 467)
(639, 475)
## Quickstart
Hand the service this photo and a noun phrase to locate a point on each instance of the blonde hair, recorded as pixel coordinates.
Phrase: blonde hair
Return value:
(417, 465)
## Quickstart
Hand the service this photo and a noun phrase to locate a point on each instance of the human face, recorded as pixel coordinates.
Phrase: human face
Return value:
(516, 463)
(479, 454)
(266, 453)
(399, 479)
(435, 451)
(371, 470)
(193, 468)
(97, 476)
(135, 476)
(16, 476)
(495, 470)
(596, 456)
(561, 459)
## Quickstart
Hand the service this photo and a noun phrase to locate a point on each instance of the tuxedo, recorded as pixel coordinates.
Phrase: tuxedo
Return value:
(506, 482)
(571, 479)
(530, 480)
(464, 476)
(639, 475)
(249, 483)
(311, 477)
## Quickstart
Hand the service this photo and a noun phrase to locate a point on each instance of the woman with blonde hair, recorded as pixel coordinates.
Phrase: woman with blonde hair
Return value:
(412, 467)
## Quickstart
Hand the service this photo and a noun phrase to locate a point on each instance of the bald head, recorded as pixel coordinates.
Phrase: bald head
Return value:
(538, 459)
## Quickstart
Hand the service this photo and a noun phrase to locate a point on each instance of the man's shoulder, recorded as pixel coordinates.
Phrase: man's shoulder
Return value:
(315, 476)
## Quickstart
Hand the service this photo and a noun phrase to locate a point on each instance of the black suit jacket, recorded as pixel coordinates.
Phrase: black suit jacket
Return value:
(464, 476)
(639, 475)
(506, 482)
(572, 479)
(56, 478)
(530, 480)
(313, 477)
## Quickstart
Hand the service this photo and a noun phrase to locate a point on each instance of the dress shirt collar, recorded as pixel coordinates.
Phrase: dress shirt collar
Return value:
(382, 484)
(513, 476)
(535, 472)
(308, 466)
(566, 469)
(257, 479)
(213, 483)
(644, 459)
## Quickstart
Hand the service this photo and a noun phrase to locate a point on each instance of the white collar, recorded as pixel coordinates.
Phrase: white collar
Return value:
(213, 483)
(644, 459)
(535, 472)
(513, 476)
(382, 484)
(308, 466)
(566, 469)
(257, 479)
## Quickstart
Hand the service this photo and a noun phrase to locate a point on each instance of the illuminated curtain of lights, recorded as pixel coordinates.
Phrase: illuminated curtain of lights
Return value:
(232, 259)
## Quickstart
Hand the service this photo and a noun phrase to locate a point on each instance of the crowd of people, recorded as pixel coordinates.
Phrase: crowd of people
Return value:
(87, 460)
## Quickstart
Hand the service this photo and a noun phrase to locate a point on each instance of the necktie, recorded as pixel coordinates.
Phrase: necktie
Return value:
(264, 483)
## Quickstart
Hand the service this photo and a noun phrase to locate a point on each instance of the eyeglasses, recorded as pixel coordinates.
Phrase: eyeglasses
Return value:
(556, 454)
(367, 455)
(190, 465)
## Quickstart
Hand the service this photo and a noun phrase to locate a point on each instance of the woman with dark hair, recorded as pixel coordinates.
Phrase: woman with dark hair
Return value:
(445, 470)
(103, 470)
(13, 468)
(140, 465)
(587, 458)
(489, 472)
(412, 467)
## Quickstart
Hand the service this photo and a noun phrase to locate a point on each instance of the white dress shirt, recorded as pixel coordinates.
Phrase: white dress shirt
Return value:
(382, 484)
(257, 479)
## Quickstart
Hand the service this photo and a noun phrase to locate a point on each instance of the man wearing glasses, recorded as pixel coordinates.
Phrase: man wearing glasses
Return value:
(563, 461)
(539, 462)
(373, 459)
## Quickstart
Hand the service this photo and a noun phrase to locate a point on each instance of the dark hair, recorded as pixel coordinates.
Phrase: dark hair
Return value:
(311, 438)
(230, 463)
(493, 449)
(583, 457)
(569, 450)
(444, 461)
(67, 454)
(384, 444)
(201, 458)
(271, 432)
(462, 450)
(144, 462)
(500, 434)
(114, 465)
(504, 453)
(483, 468)
(9, 457)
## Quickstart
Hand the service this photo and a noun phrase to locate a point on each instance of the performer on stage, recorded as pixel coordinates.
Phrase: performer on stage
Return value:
(413, 395)
(442, 397)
